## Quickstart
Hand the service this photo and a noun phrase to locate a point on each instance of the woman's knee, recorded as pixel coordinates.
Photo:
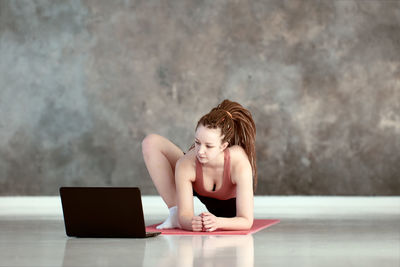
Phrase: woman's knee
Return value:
(150, 143)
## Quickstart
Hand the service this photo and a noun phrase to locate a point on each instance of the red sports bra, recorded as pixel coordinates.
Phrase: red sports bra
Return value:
(227, 190)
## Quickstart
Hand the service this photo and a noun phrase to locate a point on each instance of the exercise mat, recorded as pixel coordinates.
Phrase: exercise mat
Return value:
(258, 225)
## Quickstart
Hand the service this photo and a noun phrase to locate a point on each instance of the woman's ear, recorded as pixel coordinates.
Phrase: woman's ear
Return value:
(224, 145)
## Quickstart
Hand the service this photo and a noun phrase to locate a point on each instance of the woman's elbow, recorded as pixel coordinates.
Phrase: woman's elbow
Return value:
(249, 225)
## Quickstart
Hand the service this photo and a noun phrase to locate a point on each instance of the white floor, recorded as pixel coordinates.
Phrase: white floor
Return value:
(314, 231)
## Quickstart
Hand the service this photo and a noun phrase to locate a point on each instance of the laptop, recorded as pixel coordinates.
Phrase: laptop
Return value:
(103, 212)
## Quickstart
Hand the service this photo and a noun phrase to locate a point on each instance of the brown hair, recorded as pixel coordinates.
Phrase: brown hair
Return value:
(237, 128)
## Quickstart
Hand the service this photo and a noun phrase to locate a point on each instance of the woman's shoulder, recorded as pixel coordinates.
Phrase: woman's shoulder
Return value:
(240, 164)
(237, 153)
(187, 162)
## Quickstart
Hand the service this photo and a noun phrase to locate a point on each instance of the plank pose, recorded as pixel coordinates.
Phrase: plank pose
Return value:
(219, 168)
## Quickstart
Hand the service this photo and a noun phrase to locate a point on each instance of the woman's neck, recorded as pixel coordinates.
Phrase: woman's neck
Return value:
(218, 162)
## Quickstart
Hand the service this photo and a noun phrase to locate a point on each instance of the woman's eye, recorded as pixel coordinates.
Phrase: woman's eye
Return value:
(198, 143)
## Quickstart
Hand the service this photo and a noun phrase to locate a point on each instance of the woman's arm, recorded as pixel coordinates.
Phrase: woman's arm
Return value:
(241, 175)
(184, 174)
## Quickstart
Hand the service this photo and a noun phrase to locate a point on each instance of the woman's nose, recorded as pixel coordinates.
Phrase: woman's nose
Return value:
(201, 150)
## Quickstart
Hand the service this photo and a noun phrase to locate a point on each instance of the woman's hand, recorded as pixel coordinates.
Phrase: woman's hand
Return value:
(197, 224)
(210, 222)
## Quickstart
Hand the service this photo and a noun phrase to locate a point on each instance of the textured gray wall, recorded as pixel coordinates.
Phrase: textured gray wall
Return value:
(82, 82)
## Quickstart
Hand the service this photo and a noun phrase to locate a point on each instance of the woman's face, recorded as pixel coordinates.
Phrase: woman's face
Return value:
(208, 143)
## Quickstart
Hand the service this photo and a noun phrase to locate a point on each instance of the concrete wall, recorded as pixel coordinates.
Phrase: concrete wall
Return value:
(82, 82)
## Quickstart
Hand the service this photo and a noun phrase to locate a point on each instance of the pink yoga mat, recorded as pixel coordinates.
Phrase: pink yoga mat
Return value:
(258, 225)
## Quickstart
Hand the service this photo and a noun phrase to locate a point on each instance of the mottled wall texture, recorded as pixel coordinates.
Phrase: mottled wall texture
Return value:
(83, 82)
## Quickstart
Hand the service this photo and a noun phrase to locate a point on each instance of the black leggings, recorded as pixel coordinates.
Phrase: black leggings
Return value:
(220, 208)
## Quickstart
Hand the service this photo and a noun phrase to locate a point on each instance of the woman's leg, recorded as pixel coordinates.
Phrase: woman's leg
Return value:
(160, 156)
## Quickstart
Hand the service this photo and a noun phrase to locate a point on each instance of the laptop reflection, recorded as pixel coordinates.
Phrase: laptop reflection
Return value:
(104, 252)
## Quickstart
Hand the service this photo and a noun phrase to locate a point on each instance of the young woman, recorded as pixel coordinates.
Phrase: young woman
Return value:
(220, 169)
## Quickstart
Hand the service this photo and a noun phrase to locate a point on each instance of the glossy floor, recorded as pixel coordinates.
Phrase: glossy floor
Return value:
(310, 236)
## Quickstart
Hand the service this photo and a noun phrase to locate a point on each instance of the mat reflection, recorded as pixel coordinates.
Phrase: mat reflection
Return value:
(209, 251)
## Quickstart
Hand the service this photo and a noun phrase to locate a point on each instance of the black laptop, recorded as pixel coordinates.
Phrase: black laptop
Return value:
(103, 212)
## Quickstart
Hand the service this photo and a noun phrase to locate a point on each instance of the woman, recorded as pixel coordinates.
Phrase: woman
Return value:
(218, 169)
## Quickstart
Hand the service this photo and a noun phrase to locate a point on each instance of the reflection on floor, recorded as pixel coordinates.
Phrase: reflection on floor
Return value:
(312, 232)
(165, 251)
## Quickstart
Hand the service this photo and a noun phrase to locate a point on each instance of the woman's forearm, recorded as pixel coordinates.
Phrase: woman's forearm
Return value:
(185, 222)
(236, 223)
